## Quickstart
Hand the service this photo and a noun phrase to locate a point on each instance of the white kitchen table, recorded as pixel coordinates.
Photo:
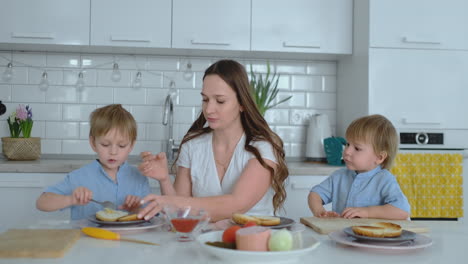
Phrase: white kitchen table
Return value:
(450, 243)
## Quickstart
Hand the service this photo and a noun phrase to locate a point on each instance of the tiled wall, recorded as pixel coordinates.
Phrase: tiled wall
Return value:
(61, 113)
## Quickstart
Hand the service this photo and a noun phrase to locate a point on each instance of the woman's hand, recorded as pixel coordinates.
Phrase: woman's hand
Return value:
(153, 204)
(154, 166)
(131, 204)
(81, 196)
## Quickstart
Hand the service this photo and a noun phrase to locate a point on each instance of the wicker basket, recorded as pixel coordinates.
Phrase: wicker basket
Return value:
(21, 148)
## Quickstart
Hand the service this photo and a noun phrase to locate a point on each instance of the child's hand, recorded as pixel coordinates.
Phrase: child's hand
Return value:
(81, 196)
(154, 166)
(329, 214)
(354, 212)
(131, 204)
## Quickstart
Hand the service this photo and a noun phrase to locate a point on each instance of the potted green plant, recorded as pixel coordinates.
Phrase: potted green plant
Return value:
(265, 89)
(21, 148)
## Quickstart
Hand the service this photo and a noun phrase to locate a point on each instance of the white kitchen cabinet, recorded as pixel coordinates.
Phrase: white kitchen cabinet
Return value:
(428, 24)
(211, 24)
(418, 88)
(428, 87)
(297, 190)
(310, 26)
(45, 22)
(139, 23)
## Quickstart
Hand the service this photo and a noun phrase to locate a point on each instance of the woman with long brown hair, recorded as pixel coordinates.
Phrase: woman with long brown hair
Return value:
(229, 161)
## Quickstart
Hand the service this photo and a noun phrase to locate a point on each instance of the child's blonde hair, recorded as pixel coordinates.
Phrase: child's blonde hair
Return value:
(377, 131)
(103, 119)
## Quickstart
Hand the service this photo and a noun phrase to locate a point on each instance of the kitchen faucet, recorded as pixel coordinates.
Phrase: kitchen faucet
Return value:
(168, 120)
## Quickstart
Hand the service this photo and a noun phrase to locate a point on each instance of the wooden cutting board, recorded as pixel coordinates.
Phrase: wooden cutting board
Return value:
(327, 225)
(37, 243)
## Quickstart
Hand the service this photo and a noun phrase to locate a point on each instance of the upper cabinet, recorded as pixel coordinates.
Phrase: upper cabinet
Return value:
(138, 23)
(427, 24)
(45, 22)
(211, 24)
(310, 26)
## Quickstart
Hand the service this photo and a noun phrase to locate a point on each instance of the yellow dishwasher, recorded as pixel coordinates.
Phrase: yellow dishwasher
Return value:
(431, 168)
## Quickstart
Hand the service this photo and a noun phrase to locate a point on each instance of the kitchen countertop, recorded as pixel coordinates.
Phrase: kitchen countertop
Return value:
(67, 163)
(448, 247)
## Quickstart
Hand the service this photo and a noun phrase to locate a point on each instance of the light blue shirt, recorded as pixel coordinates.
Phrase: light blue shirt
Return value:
(92, 176)
(346, 188)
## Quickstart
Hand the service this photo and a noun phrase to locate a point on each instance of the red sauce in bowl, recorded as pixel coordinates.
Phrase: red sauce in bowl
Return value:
(184, 225)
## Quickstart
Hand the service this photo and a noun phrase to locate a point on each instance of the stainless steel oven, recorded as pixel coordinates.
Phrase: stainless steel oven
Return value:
(434, 160)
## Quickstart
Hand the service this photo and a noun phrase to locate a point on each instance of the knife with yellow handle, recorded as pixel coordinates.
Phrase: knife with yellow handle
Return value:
(109, 235)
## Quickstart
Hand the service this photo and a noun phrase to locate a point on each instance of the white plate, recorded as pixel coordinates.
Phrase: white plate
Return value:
(405, 236)
(420, 241)
(116, 223)
(155, 222)
(284, 222)
(242, 256)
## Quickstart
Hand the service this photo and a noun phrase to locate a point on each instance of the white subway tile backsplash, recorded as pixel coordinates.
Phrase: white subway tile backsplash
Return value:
(189, 97)
(4, 130)
(31, 58)
(157, 132)
(95, 95)
(76, 147)
(152, 146)
(103, 78)
(51, 146)
(84, 130)
(20, 75)
(162, 63)
(156, 96)
(61, 94)
(5, 92)
(61, 113)
(321, 100)
(147, 114)
(63, 60)
(291, 68)
(276, 116)
(27, 93)
(321, 68)
(66, 130)
(54, 77)
(77, 112)
(38, 129)
(129, 96)
(306, 83)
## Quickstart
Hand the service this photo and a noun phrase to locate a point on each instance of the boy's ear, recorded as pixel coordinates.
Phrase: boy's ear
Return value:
(92, 143)
(381, 157)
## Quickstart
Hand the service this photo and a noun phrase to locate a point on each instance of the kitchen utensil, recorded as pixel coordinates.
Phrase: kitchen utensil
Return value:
(317, 131)
(106, 204)
(327, 225)
(334, 150)
(37, 243)
(186, 221)
(109, 235)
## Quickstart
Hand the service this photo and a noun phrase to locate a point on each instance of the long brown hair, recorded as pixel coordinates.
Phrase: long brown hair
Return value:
(254, 125)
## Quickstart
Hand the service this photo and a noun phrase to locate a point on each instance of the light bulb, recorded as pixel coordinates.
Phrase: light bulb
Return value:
(188, 73)
(116, 75)
(80, 84)
(44, 83)
(8, 73)
(137, 83)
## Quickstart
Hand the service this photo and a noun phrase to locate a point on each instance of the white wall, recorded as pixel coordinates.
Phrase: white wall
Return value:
(61, 113)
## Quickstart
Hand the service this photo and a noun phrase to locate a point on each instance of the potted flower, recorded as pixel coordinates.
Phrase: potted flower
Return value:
(26, 147)
(265, 89)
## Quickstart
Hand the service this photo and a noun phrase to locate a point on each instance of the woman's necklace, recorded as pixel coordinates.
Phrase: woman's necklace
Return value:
(225, 165)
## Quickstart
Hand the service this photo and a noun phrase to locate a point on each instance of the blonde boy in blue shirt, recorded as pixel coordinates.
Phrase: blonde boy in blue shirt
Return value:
(112, 135)
(365, 188)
